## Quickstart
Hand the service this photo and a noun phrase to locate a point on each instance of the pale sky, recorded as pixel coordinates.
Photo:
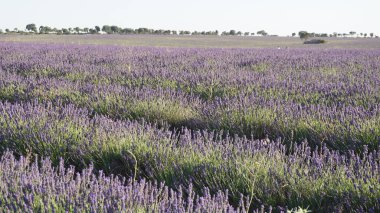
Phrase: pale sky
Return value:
(281, 17)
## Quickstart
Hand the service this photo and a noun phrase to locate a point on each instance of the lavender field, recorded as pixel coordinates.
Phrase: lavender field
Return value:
(194, 41)
(95, 127)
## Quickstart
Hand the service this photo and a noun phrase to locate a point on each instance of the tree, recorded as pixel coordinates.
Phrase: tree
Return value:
(115, 29)
(262, 32)
(365, 34)
(143, 30)
(31, 27)
(303, 35)
(44, 29)
(1, 31)
(252, 34)
(239, 33)
(107, 29)
(294, 34)
(97, 28)
(92, 31)
(371, 34)
(352, 33)
(246, 33)
(195, 33)
(77, 29)
(232, 32)
(7, 30)
(65, 31)
(86, 30)
(128, 31)
(158, 32)
(184, 32)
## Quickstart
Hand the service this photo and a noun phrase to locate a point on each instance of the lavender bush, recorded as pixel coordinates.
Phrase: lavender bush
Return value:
(266, 171)
(27, 186)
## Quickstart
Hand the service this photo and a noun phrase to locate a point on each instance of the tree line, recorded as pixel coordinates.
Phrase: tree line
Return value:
(305, 35)
(113, 29)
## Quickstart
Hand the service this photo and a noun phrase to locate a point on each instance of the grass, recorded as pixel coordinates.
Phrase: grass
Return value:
(162, 110)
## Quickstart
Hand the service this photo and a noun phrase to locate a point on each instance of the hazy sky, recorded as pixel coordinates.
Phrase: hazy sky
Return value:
(280, 17)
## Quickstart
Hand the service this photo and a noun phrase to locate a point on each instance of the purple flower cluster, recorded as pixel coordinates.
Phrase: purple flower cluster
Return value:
(27, 186)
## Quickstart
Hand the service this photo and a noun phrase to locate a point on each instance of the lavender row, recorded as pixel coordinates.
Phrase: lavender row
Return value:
(266, 171)
(284, 69)
(28, 185)
(325, 96)
(227, 72)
